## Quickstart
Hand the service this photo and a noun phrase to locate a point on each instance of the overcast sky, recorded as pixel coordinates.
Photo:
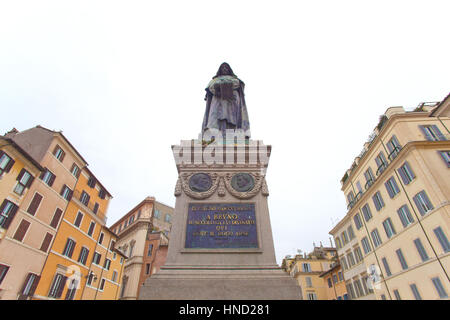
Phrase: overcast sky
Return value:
(124, 80)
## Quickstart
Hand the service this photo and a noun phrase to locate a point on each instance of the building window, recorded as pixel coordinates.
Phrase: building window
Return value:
(392, 187)
(150, 250)
(386, 267)
(439, 288)
(381, 162)
(344, 237)
(358, 223)
(100, 239)
(96, 259)
(167, 218)
(59, 153)
(57, 286)
(75, 171)
(34, 204)
(3, 271)
(337, 240)
(351, 234)
(56, 218)
(350, 290)
(397, 295)
(376, 238)
(366, 245)
(84, 198)
(21, 230)
(107, 264)
(124, 285)
(7, 212)
(157, 214)
(440, 235)
(401, 258)
(335, 279)
(432, 133)
(350, 259)
(415, 291)
(423, 254)
(66, 192)
(383, 297)
(6, 162)
(366, 212)
(131, 220)
(311, 296)
(29, 286)
(78, 219)
(83, 255)
(24, 180)
(365, 281)
(330, 284)
(422, 202)
(102, 193)
(70, 295)
(370, 178)
(308, 282)
(358, 287)
(68, 249)
(147, 268)
(46, 242)
(446, 157)
(405, 216)
(341, 276)
(96, 206)
(91, 229)
(343, 262)
(358, 255)
(48, 177)
(102, 285)
(378, 201)
(394, 147)
(112, 245)
(114, 276)
(91, 182)
(389, 228)
(306, 267)
(406, 173)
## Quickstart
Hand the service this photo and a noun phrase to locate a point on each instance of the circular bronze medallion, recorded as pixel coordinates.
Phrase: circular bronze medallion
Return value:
(200, 182)
(242, 182)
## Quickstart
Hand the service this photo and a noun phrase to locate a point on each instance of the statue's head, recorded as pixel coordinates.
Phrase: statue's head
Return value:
(225, 70)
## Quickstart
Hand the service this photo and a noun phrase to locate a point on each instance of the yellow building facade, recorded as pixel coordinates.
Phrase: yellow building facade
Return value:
(394, 237)
(307, 270)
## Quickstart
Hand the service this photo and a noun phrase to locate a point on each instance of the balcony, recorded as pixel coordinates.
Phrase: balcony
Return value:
(90, 206)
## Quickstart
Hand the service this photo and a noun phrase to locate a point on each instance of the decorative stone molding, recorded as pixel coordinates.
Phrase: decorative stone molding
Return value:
(221, 190)
(264, 189)
(258, 179)
(177, 191)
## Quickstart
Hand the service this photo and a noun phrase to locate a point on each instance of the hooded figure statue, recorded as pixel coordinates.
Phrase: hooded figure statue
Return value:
(225, 103)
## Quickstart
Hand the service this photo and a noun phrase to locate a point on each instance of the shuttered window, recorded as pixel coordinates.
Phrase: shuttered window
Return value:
(6, 162)
(24, 180)
(70, 295)
(439, 288)
(432, 133)
(358, 223)
(415, 291)
(32, 208)
(21, 230)
(84, 198)
(48, 177)
(422, 202)
(56, 218)
(405, 215)
(91, 228)
(386, 267)
(376, 238)
(57, 286)
(66, 193)
(3, 271)
(397, 295)
(381, 162)
(442, 239)
(29, 286)
(401, 258)
(7, 212)
(366, 212)
(423, 254)
(95, 210)
(75, 170)
(366, 245)
(446, 157)
(68, 249)
(59, 153)
(78, 219)
(406, 173)
(389, 227)
(378, 201)
(394, 147)
(84, 253)
(392, 187)
(46, 243)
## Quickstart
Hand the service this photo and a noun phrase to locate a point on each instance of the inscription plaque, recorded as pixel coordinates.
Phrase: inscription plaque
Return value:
(221, 226)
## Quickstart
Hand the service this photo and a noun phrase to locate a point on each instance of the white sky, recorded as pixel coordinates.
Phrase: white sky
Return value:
(125, 80)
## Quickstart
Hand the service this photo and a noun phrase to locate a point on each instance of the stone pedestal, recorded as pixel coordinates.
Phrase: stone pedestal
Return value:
(221, 244)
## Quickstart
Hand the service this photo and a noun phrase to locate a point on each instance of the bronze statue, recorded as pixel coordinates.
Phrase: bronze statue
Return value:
(225, 103)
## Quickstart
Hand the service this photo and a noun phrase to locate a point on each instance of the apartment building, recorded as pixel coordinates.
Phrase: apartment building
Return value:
(394, 237)
(143, 233)
(307, 270)
(335, 284)
(22, 245)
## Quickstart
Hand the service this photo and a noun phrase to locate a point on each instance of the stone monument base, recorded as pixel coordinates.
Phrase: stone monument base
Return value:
(220, 284)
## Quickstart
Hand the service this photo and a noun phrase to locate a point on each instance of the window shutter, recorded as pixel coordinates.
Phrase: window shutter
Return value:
(9, 165)
(29, 182)
(418, 204)
(62, 190)
(20, 232)
(402, 218)
(41, 176)
(3, 205)
(409, 169)
(70, 195)
(63, 154)
(425, 133)
(61, 286)
(72, 248)
(11, 215)
(56, 218)
(23, 295)
(34, 286)
(389, 189)
(428, 202)
(34, 204)
(52, 179)
(46, 243)
(377, 205)
(22, 172)
(439, 133)
(403, 175)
